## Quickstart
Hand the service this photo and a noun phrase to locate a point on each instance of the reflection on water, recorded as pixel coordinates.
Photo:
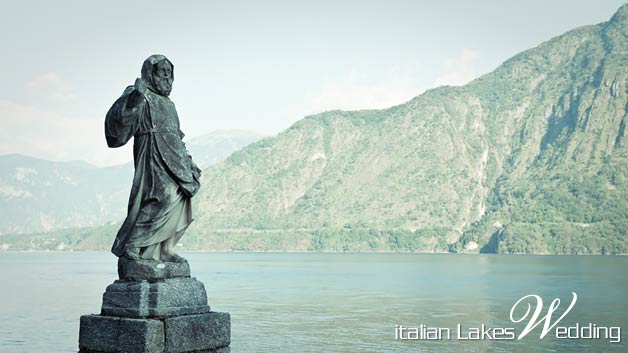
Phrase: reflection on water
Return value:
(329, 302)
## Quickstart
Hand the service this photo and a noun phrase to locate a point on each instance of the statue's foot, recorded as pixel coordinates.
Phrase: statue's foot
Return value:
(132, 253)
(173, 258)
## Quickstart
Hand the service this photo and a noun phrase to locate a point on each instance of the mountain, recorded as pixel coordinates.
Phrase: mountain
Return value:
(215, 146)
(38, 195)
(530, 158)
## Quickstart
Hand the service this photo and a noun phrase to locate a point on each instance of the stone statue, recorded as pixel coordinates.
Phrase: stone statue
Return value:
(166, 178)
(154, 306)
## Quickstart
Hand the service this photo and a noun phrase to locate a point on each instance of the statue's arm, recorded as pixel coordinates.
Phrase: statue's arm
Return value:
(123, 118)
(196, 171)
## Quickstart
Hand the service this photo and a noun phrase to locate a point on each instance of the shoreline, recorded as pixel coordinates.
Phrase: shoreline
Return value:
(320, 252)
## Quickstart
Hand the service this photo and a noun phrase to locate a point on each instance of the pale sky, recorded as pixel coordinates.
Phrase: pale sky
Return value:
(254, 65)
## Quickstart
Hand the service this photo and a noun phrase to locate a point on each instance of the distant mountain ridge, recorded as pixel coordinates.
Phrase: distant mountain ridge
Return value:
(37, 195)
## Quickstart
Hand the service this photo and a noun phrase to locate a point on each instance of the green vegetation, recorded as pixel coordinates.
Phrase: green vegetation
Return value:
(527, 159)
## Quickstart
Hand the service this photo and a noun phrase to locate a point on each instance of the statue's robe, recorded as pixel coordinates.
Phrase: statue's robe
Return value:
(165, 176)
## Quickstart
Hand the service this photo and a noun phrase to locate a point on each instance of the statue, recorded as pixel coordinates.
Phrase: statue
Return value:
(155, 305)
(166, 178)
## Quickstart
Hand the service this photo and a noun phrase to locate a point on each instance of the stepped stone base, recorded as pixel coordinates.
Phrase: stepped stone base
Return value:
(198, 333)
(170, 297)
(155, 307)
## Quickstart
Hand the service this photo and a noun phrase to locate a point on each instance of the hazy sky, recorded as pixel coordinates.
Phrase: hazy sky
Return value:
(256, 65)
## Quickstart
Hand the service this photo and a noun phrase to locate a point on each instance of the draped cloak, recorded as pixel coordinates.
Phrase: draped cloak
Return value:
(165, 176)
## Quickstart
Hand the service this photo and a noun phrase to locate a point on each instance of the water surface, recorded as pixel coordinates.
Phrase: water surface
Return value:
(329, 302)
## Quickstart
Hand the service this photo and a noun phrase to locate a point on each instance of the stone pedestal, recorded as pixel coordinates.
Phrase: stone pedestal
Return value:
(155, 308)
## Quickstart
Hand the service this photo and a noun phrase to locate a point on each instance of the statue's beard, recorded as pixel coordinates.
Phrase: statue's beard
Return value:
(162, 85)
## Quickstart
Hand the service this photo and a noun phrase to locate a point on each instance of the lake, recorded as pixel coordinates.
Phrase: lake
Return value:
(311, 302)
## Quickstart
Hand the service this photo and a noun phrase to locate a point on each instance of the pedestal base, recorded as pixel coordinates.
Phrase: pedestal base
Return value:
(198, 333)
(155, 307)
(151, 270)
(143, 299)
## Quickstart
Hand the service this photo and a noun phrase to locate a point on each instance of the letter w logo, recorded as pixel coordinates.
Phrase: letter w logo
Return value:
(535, 320)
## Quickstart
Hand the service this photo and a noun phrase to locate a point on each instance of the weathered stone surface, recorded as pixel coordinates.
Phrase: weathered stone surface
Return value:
(110, 334)
(174, 296)
(150, 270)
(201, 332)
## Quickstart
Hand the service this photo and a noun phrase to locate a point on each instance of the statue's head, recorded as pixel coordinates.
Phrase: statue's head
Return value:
(158, 72)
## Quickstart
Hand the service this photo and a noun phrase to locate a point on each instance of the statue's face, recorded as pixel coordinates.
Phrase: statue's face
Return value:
(162, 77)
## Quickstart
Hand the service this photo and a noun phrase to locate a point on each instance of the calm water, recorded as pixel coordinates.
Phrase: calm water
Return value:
(330, 302)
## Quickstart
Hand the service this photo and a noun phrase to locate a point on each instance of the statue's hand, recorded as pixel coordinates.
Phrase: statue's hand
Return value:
(137, 95)
(140, 86)
(196, 170)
